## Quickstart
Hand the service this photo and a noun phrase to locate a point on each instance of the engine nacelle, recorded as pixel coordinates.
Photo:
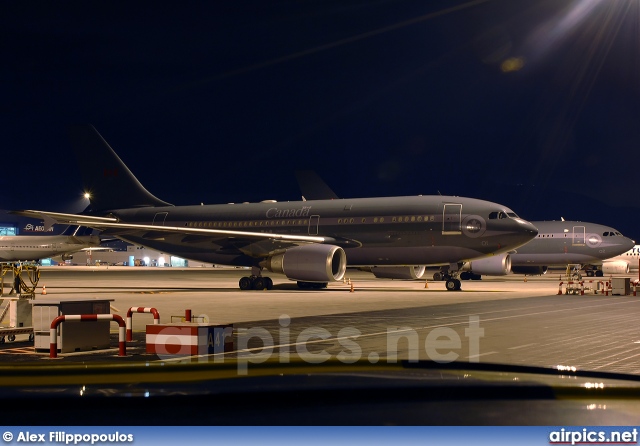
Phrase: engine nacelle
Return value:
(617, 267)
(310, 263)
(529, 270)
(398, 272)
(499, 265)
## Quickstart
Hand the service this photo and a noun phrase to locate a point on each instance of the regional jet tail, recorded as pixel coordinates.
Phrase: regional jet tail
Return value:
(23, 248)
(310, 242)
(596, 248)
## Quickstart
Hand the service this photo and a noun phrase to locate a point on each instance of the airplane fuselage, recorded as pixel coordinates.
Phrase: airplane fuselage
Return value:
(561, 243)
(416, 230)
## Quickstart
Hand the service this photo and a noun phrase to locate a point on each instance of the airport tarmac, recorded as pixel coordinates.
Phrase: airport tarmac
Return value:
(500, 320)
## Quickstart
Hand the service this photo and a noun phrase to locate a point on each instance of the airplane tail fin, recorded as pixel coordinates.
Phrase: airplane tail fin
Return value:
(312, 186)
(106, 178)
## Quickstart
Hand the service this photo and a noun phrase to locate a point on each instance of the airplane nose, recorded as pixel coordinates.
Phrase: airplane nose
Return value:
(533, 231)
(528, 228)
(628, 243)
(526, 231)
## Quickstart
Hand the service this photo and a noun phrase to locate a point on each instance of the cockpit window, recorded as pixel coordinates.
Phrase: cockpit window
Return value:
(498, 215)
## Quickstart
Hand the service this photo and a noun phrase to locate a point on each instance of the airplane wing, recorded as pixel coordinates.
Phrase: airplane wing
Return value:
(240, 240)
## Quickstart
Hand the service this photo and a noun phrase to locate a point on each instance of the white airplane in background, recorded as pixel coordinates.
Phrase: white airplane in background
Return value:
(22, 248)
(623, 263)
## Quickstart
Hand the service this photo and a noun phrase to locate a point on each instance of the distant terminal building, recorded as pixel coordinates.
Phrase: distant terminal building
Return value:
(14, 225)
(131, 256)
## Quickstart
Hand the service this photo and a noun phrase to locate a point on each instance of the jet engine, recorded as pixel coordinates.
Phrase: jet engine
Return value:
(499, 265)
(618, 267)
(309, 263)
(529, 270)
(398, 272)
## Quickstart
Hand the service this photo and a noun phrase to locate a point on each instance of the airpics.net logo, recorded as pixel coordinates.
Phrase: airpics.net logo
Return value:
(256, 345)
(591, 436)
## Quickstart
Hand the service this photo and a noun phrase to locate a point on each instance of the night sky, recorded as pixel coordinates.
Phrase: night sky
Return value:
(534, 104)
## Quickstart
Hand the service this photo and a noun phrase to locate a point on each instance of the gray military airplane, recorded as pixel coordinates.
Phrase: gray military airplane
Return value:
(310, 242)
(558, 243)
(20, 248)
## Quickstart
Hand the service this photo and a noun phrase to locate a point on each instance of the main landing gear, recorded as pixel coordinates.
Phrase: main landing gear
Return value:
(597, 273)
(255, 283)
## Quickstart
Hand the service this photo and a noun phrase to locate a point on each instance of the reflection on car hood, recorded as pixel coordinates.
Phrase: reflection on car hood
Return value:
(328, 393)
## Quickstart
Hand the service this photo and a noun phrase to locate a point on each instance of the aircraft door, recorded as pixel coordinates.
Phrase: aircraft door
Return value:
(159, 218)
(579, 236)
(314, 220)
(452, 219)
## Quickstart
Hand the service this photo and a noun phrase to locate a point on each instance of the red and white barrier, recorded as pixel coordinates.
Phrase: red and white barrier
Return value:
(189, 339)
(156, 318)
(53, 343)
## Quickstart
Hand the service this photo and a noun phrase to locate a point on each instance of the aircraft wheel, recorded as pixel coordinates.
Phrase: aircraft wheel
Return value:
(268, 283)
(590, 273)
(437, 276)
(452, 285)
(245, 283)
(1, 339)
(259, 283)
(31, 337)
(465, 276)
(599, 274)
(11, 338)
